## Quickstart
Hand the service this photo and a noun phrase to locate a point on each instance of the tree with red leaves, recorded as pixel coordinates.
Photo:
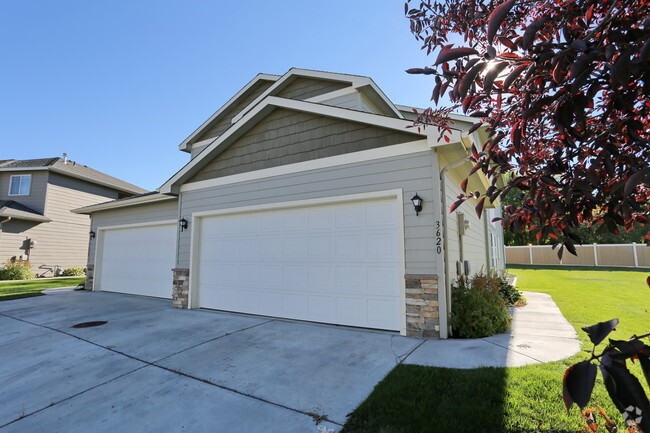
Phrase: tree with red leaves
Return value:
(563, 87)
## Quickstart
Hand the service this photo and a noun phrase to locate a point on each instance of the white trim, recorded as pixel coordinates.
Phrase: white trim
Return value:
(332, 95)
(152, 198)
(197, 217)
(332, 161)
(325, 110)
(255, 80)
(11, 178)
(356, 81)
(25, 169)
(402, 231)
(99, 245)
(137, 225)
(301, 203)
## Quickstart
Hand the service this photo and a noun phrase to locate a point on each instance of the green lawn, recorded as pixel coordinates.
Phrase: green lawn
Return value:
(413, 399)
(27, 288)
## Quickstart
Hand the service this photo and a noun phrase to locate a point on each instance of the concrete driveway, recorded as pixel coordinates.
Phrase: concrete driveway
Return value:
(153, 368)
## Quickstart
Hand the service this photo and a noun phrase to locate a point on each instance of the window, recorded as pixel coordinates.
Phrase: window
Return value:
(19, 185)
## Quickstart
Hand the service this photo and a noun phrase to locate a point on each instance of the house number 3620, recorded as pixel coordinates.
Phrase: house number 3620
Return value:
(438, 238)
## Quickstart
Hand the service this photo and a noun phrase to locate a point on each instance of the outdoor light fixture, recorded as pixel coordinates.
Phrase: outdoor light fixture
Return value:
(182, 223)
(417, 203)
(92, 234)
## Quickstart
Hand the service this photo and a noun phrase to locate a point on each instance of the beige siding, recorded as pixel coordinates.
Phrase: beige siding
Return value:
(145, 213)
(474, 240)
(411, 173)
(36, 197)
(286, 137)
(62, 242)
(225, 119)
(305, 88)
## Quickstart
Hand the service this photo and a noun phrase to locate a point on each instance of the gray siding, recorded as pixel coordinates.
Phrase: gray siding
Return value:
(305, 88)
(145, 213)
(63, 241)
(286, 137)
(36, 197)
(224, 121)
(474, 241)
(412, 173)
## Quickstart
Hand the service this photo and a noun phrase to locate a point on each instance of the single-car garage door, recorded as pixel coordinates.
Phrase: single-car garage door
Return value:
(137, 260)
(336, 263)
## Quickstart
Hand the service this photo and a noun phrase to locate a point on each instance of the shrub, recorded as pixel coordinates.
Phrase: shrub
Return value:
(18, 270)
(510, 294)
(73, 272)
(478, 309)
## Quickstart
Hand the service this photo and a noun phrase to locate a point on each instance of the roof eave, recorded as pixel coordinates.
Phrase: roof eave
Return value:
(116, 204)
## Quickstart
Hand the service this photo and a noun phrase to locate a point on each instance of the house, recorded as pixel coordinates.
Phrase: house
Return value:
(36, 197)
(298, 201)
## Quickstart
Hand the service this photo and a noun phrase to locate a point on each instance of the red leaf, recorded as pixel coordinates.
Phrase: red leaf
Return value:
(469, 78)
(479, 207)
(455, 205)
(491, 75)
(463, 185)
(578, 383)
(415, 71)
(448, 54)
(496, 18)
(512, 76)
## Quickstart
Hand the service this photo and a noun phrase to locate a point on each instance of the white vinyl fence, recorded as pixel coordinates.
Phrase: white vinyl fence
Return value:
(628, 255)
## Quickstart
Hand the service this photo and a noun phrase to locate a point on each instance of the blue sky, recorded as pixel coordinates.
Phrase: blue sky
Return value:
(118, 85)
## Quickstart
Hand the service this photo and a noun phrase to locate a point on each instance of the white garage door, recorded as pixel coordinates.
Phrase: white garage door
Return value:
(333, 263)
(138, 260)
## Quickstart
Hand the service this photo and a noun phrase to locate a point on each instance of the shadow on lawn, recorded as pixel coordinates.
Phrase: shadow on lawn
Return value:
(438, 400)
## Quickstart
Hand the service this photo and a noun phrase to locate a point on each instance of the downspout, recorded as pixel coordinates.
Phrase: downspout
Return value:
(444, 318)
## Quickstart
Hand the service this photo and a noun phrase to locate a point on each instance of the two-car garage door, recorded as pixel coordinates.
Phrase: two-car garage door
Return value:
(335, 263)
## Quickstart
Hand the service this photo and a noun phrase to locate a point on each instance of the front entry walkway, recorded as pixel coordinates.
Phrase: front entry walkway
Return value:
(539, 333)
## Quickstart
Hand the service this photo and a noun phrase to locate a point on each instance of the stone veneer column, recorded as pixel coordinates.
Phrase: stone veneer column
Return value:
(422, 313)
(181, 288)
(90, 273)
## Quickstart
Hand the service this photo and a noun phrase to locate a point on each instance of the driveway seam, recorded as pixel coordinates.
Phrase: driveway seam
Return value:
(515, 351)
(213, 339)
(410, 353)
(72, 396)
(316, 417)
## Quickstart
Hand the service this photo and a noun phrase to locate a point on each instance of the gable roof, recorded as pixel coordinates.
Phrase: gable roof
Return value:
(356, 81)
(71, 169)
(146, 198)
(184, 146)
(269, 104)
(364, 85)
(12, 209)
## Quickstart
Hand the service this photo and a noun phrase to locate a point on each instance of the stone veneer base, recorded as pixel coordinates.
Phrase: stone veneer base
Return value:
(422, 308)
(181, 288)
(90, 274)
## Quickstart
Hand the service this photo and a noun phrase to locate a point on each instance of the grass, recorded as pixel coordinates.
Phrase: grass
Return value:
(414, 399)
(28, 288)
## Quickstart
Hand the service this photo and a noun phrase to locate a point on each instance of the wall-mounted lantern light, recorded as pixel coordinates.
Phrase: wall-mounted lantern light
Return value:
(417, 203)
(182, 223)
(92, 234)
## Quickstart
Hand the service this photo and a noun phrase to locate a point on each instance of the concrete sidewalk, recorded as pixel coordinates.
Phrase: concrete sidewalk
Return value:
(539, 333)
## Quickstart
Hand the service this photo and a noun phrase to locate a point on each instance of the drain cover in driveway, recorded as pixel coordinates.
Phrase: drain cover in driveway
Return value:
(90, 324)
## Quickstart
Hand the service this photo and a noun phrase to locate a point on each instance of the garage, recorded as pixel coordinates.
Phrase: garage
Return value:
(136, 260)
(338, 263)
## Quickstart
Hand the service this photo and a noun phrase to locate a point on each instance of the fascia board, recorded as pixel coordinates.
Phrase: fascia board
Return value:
(123, 203)
(267, 77)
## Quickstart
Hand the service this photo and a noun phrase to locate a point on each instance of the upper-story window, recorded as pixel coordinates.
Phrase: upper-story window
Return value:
(20, 185)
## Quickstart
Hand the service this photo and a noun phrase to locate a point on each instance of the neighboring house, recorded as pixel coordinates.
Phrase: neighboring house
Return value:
(36, 197)
(297, 203)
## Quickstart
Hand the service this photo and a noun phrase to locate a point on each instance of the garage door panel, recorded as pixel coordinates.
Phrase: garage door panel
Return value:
(138, 260)
(330, 263)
